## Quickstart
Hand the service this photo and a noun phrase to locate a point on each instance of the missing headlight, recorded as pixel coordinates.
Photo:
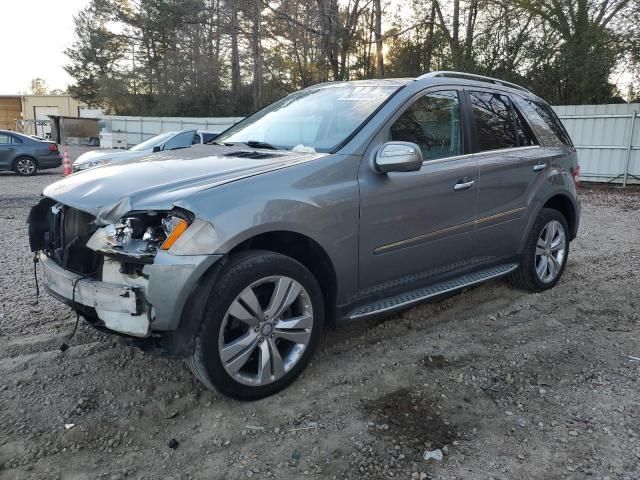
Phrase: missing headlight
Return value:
(140, 235)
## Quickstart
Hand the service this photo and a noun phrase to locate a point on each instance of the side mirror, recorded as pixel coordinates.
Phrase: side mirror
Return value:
(398, 157)
(157, 149)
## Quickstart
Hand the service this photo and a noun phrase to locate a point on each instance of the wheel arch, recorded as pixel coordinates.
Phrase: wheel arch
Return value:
(561, 202)
(564, 205)
(179, 342)
(305, 250)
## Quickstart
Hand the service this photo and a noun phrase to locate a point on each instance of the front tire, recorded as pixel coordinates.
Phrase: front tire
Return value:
(545, 254)
(261, 325)
(25, 166)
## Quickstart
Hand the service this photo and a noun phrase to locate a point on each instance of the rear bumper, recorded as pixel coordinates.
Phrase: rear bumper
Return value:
(49, 161)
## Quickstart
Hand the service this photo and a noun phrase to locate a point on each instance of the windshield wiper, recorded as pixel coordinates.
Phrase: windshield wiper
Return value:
(249, 143)
(257, 144)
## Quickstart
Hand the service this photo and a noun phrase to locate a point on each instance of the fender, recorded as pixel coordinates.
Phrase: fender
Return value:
(557, 184)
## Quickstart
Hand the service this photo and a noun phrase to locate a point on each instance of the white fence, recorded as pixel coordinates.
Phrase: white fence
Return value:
(607, 138)
(139, 129)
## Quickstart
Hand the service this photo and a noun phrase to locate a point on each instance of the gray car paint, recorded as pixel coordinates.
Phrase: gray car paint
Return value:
(338, 200)
(30, 147)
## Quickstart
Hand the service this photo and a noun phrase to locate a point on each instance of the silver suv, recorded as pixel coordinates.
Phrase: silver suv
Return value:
(339, 202)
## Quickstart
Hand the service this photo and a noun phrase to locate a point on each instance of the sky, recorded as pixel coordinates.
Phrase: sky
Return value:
(39, 30)
(42, 29)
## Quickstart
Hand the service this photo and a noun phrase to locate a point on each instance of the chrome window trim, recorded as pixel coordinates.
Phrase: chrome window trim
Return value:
(503, 150)
(478, 154)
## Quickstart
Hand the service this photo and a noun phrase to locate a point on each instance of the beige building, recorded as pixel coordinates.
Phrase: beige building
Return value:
(30, 113)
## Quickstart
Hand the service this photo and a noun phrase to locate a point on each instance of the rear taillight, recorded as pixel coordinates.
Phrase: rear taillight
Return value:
(53, 147)
(576, 173)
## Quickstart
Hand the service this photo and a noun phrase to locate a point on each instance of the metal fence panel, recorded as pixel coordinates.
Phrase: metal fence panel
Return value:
(607, 138)
(139, 129)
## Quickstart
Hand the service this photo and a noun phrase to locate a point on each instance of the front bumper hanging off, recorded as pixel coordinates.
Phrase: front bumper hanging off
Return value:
(72, 288)
(129, 308)
(89, 292)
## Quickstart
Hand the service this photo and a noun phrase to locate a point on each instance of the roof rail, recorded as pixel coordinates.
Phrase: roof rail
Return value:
(471, 76)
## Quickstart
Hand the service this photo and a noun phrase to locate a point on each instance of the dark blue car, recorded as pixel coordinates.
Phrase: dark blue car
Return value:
(26, 155)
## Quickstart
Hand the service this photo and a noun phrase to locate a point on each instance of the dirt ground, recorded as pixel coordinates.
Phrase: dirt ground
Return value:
(508, 384)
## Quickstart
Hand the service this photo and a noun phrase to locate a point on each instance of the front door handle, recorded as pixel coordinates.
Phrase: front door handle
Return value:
(463, 185)
(539, 167)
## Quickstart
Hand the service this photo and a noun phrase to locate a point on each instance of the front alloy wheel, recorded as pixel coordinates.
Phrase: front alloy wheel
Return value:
(261, 325)
(266, 330)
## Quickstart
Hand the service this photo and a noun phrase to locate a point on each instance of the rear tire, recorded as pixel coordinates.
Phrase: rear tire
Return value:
(25, 166)
(260, 327)
(545, 254)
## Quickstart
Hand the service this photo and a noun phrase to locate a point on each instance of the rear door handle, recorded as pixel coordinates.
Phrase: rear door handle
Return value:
(463, 185)
(539, 167)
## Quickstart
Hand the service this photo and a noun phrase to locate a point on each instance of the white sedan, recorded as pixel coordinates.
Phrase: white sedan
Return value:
(159, 143)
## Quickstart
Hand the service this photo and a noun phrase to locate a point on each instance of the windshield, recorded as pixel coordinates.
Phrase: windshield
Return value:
(152, 142)
(317, 119)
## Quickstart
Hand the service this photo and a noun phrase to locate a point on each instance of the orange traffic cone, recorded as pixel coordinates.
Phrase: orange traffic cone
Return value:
(67, 164)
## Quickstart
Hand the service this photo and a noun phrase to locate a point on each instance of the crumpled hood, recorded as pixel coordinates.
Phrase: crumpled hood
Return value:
(156, 181)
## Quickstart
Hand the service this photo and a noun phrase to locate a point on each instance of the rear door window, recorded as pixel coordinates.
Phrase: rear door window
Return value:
(523, 133)
(207, 137)
(5, 139)
(495, 122)
(181, 140)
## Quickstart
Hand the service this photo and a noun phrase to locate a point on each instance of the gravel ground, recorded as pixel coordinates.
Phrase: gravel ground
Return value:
(508, 384)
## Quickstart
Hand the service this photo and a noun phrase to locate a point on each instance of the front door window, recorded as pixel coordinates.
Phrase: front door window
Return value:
(433, 123)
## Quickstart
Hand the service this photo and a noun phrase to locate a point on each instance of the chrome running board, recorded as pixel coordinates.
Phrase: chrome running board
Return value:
(408, 299)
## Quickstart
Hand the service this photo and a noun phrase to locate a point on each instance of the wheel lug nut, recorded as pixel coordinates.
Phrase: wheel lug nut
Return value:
(257, 329)
(261, 339)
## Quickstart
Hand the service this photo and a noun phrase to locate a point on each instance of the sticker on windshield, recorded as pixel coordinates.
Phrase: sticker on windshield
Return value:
(362, 93)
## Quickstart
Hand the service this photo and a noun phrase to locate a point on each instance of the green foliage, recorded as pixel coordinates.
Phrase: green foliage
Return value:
(229, 57)
(39, 86)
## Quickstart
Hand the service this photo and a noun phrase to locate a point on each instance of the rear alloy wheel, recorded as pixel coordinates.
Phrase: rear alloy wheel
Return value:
(545, 254)
(25, 166)
(261, 325)
(550, 250)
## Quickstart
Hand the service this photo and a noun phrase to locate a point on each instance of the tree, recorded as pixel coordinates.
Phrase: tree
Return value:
(588, 49)
(39, 86)
(95, 58)
(377, 29)
(230, 57)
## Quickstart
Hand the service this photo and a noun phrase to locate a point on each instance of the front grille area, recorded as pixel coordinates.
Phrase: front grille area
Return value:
(69, 230)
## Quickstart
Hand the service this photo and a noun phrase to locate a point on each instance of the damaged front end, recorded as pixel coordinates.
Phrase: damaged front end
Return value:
(132, 276)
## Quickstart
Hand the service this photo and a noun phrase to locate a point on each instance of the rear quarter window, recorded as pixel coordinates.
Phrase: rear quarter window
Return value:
(545, 122)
